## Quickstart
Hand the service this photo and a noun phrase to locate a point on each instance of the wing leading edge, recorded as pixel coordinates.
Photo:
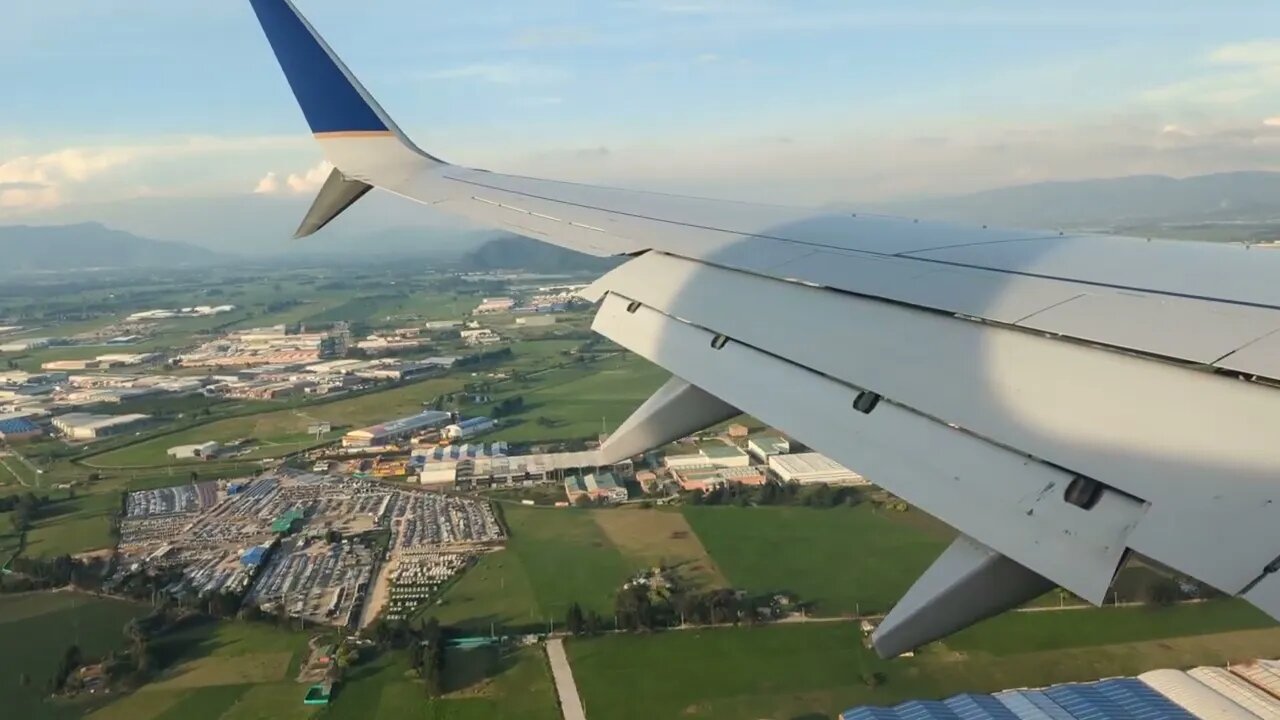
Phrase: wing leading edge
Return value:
(1062, 400)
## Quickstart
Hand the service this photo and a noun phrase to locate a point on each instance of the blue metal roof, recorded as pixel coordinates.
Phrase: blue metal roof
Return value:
(17, 426)
(1142, 701)
(1116, 699)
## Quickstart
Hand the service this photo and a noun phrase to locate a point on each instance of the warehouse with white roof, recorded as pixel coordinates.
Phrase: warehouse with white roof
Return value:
(811, 467)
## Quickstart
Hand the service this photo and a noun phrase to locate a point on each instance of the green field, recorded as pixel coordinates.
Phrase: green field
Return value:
(36, 628)
(854, 558)
(72, 526)
(815, 670)
(1014, 633)
(237, 671)
(844, 559)
(554, 558)
(579, 401)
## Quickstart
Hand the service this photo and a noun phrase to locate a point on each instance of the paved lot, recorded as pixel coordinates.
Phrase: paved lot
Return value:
(566, 688)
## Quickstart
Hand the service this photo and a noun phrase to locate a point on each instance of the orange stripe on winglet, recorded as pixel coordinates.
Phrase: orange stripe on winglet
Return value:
(352, 134)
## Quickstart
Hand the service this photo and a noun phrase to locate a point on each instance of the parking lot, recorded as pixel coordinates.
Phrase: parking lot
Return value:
(171, 500)
(206, 528)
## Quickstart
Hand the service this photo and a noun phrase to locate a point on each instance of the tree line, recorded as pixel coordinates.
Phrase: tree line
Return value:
(772, 492)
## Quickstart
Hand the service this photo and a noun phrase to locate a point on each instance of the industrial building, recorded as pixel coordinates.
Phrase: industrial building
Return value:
(1241, 692)
(494, 304)
(495, 470)
(713, 454)
(536, 320)
(87, 426)
(706, 478)
(201, 451)
(468, 428)
(599, 485)
(396, 430)
(766, 446)
(480, 336)
(465, 451)
(806, 468)
(27, 344)
(18, 429)
(442, 324)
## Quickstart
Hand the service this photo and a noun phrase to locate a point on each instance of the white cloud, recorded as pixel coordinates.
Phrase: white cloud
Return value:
(28, 196)
(509, 73)
(36, 181)
(311, 180)
(268, 184)
(297, 183)
(1272, 121)
(1229, 75)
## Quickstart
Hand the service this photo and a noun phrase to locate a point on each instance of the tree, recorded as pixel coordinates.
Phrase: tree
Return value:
(574, 620)
(24, 680)
(1161, 592)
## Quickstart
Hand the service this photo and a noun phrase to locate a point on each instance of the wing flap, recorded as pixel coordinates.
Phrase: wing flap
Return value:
(1193, 445)
(1005, 500)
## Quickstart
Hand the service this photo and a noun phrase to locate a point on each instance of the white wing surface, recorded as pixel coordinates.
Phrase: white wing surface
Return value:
(1061, 399)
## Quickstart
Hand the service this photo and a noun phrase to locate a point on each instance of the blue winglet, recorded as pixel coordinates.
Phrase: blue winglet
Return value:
(331, 98)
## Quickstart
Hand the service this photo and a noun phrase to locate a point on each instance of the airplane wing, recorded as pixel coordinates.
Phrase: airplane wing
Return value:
(1061, 399)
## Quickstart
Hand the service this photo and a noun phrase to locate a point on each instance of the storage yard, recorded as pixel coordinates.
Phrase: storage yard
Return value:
(312, 543)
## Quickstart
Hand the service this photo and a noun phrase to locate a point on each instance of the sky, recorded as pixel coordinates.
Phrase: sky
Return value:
(802, 101)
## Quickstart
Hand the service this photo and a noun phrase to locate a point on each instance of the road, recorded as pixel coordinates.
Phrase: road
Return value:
(566, 688)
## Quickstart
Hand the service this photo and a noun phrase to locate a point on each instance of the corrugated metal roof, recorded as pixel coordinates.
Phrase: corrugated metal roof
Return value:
(1194, 696)
(1243, 693)
(1141, 701)
(17, 426)
(1264, 676)
(1202, 694)
(1032, 705)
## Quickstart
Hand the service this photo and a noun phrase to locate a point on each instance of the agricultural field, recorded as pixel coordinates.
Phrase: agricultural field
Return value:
(236, 671)
(842, 560)
(815, 670)
(661, 538)
(75, 525)
(575, 402)
(43, 625)
(854, 558)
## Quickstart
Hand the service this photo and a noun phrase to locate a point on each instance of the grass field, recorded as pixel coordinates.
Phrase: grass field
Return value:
(241, 671)
(815, 670)
(841, 559)
(660, 537)
(577, 399)
(496, 591)
(553, 558)
(854, 558)
(567, 558)
(36, 628)
(72, 526)
(1014, 633)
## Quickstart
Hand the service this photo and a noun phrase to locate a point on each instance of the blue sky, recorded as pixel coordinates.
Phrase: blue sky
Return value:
(810, 101)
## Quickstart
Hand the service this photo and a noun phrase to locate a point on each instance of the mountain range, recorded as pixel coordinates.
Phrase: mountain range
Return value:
(27, 248)
(1110, 202)
(200, 231)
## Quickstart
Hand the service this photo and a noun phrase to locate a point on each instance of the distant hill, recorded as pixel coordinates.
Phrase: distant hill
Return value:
(512, 252)
(29, 248)
(1125, 201)
(263, 225)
